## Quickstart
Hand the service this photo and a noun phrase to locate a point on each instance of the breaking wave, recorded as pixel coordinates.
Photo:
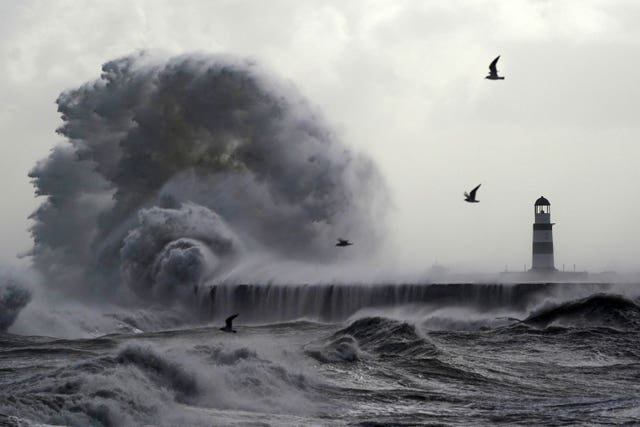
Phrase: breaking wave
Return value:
(177, 170)
(599, 310)
(163, 372)
(144, 384)
(383, 336)
(373, 337)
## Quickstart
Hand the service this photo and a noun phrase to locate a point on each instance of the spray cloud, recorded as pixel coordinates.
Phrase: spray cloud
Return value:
(175, 170)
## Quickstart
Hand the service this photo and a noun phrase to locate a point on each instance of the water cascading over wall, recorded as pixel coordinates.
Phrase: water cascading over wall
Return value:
(326, 302)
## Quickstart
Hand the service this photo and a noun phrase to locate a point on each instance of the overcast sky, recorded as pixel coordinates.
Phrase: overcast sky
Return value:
(402, 81)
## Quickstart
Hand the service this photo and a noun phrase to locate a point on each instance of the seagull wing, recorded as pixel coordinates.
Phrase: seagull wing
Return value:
(473, 192)
(492, 67)
(229, 320)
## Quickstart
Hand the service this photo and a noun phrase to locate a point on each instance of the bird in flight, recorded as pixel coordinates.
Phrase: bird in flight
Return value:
(471, 197)
(228, 324)
(343, 242)
(493, 70)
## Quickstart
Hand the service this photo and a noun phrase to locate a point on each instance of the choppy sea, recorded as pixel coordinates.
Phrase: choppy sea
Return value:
(465, 354)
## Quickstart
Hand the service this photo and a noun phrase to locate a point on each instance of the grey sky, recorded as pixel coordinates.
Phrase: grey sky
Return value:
(402, 82)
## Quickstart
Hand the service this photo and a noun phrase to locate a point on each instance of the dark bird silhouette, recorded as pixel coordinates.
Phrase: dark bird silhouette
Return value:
(471, 197)
(493, 70)
(343, 242)
(228, 324)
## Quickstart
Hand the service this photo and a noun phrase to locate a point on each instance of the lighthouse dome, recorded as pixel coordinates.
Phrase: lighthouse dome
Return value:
(542, 201)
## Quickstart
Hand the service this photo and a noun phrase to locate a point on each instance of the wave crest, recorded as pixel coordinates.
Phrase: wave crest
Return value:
(595, 310)
(162, 371)
(377, 336)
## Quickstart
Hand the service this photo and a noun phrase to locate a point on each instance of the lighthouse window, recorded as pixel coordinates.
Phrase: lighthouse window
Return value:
(542, 209)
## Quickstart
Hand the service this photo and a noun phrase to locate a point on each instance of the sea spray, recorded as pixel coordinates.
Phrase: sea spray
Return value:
(173, 169)
(14, 295)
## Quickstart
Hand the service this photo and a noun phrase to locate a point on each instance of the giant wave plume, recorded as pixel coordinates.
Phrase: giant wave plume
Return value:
(174, 171)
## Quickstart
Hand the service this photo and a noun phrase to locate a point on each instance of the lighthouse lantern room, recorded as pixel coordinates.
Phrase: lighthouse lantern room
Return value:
(542, 236)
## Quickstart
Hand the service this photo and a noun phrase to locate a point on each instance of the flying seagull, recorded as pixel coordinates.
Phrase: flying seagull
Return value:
(493, 71)
(343, 242)
(471, 197)
(228, 327)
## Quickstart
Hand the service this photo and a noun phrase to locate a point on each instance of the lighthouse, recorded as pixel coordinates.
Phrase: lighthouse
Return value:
(542, 237)
(543, 267)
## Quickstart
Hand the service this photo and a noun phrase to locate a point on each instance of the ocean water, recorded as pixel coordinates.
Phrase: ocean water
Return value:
(529, 354)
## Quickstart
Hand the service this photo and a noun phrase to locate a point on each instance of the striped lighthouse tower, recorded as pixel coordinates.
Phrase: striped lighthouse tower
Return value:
(542, 236)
